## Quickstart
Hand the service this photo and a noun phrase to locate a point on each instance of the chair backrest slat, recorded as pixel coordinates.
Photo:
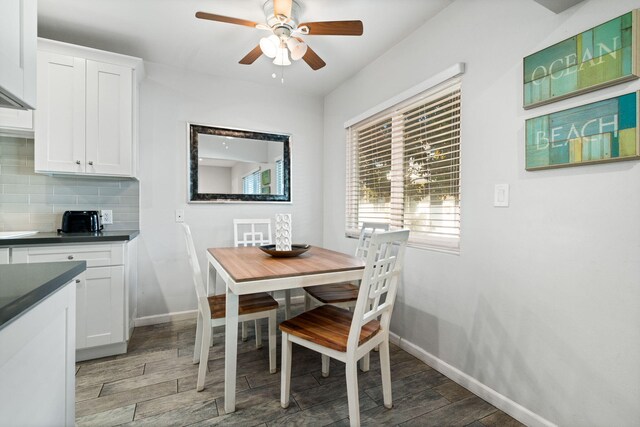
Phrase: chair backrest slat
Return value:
(251, 232)
(379, 284)
(201, 293)
(367, 230)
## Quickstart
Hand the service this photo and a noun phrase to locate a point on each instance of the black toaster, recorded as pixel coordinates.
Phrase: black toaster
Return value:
(80, 222)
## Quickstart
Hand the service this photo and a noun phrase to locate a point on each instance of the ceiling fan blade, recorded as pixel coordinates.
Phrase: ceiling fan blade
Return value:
(227, 19)
(282, 7)
(334, 28)
(251, 56)
(312, 59)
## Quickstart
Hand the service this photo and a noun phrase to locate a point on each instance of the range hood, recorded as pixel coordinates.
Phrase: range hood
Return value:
(9, 101)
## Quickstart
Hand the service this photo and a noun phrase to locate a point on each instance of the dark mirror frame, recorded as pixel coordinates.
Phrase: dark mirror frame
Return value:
(194, 197)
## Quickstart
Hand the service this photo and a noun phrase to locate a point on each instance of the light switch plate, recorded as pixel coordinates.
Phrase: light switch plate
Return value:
(179, 215)
(501, 195)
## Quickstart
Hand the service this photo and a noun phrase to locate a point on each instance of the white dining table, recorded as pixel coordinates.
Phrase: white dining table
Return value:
(248, 270)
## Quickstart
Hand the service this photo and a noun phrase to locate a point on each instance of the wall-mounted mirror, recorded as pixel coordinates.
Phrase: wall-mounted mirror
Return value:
(233, 165)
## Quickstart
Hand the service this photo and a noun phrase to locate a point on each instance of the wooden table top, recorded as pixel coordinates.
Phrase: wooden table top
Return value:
(250, 263)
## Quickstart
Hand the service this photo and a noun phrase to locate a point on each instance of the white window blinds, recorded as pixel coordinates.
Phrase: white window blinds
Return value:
(251, 183)
(279, 177)
(403, 168)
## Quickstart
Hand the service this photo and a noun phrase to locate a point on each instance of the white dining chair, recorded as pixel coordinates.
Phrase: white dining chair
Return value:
(256, 232)
(347, 336)
(212, 313)
(343, 294)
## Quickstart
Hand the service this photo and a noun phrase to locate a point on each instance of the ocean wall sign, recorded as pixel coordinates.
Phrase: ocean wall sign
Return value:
(603, 131)
(602, 56)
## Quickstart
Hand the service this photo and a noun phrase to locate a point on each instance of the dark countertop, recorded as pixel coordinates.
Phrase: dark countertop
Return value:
(23, 286)
(55, 238)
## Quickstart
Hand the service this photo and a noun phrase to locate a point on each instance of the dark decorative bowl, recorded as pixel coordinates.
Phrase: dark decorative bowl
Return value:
(295, 250)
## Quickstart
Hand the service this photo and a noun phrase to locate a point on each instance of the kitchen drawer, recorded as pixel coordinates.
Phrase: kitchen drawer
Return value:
(94, 255)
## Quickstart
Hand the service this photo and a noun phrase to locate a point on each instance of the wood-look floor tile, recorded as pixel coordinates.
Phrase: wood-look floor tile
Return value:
(148, 379)
(101, 404)
(404, 409)
(182, 416)
(88, 392)
(253, 407)
(460, 413)
(157, 380)
(94, 361)
(323, 414)
(112, 417)
(500, 419)
(452, 391)
(408, 385)
(127, 363)
(174, 401)
(108, 375)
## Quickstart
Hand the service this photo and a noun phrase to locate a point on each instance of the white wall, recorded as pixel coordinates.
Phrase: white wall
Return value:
(214, 179)
(168, 99)
(541, 305)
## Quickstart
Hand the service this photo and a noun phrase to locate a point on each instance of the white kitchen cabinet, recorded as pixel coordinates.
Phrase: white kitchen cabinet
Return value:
(37, 364)
(16, 122)
(4, 255)
(104, 312)
(18, 33)
(86, 122)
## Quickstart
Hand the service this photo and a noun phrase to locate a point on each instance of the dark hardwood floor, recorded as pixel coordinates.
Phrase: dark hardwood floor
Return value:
(154, 384)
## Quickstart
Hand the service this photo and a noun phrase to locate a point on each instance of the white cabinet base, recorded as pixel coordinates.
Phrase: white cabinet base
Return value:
(37, 364)
(102, 351)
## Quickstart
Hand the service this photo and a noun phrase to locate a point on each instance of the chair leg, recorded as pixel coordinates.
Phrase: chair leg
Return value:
(258, 326)
(364, 363)
(385, 370)
(287, 303)
(198, 343)
(272, 342)
(325, 365)
(285, 368)
(244, 331)
(351, 370)
(204, 357)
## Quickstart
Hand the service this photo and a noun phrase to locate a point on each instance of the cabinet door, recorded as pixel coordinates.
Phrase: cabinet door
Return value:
(109, 119)
(4, 255)
(18, 32)
(103, 306)
(60, 117)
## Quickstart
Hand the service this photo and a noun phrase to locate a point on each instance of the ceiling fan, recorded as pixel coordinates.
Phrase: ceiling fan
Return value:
(287, 31)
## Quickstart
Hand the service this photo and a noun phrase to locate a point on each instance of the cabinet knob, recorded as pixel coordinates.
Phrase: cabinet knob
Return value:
(70, 257)
(91, 163)
(77, 280)
(77, 162)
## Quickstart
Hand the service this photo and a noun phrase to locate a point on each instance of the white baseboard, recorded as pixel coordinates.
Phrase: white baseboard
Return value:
(498, 400)
(166, 318)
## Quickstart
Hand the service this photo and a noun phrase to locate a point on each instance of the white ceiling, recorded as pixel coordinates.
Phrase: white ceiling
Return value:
(167, 32)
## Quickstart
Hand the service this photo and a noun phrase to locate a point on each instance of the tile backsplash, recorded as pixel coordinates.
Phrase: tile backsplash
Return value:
(30, 201)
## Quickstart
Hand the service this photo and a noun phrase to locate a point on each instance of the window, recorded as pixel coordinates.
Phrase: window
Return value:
(279, 177)
(403, 168)
(251, 183)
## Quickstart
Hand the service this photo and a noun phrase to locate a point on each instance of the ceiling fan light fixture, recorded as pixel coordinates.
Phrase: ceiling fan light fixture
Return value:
(282, 57)
(297, 48)
(270, 45)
